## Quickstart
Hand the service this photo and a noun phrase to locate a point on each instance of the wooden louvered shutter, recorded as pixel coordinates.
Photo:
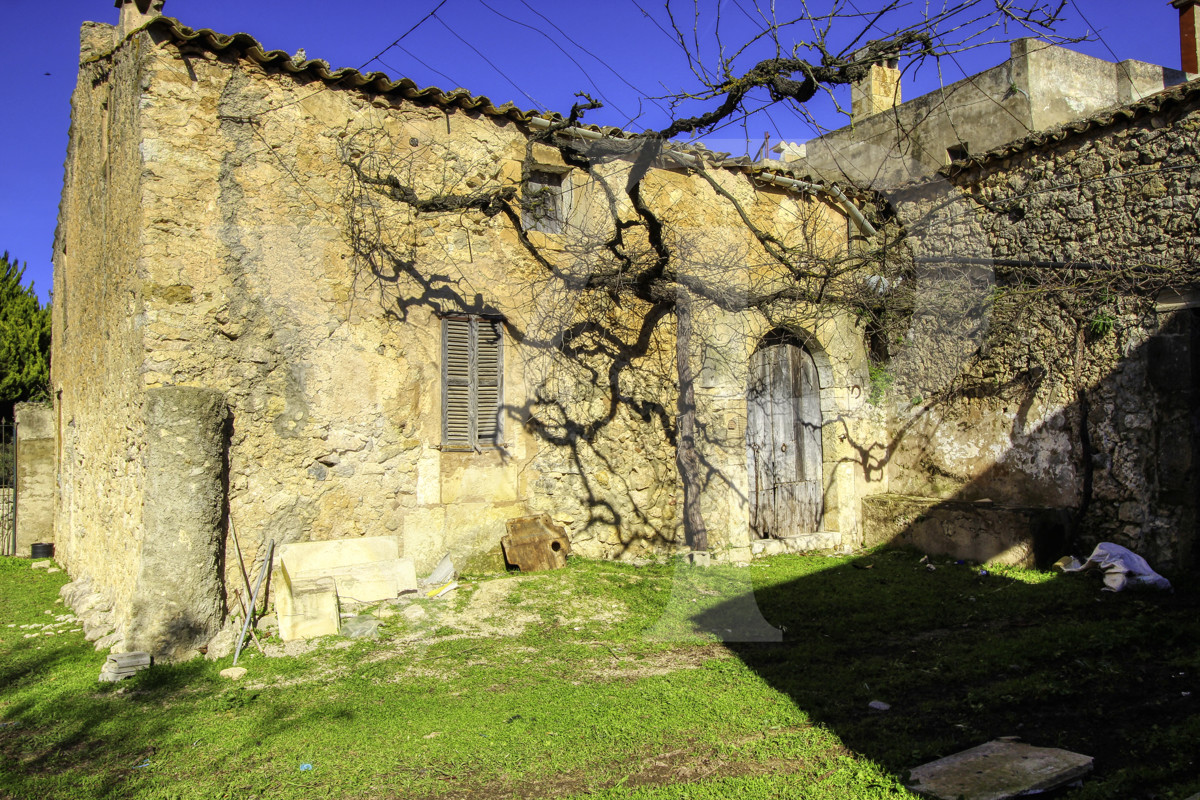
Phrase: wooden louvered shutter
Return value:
(489, 372)
(456, 383)
(472, 382)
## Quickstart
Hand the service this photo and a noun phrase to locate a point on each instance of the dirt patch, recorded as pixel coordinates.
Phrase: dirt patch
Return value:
(631, 667)
(689, 764)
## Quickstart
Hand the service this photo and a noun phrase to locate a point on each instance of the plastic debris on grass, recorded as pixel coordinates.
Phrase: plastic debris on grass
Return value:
(442, 574)
(1122, 568)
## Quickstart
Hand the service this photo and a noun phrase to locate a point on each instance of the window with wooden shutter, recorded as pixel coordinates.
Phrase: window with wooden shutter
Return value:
(544, 202)
(472, 382)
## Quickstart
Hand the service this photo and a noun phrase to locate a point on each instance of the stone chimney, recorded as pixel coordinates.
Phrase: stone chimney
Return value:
(1189, 35)
(135, 14)
(879, 91)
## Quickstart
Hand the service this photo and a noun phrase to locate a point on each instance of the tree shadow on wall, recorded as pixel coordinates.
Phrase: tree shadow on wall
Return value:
(601, 409)
(1120, 462)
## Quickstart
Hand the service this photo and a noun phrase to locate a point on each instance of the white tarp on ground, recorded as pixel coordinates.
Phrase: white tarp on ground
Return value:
(1123, 569)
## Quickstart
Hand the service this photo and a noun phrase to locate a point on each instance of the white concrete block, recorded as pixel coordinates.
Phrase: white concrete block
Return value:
(311, 558)
(306, 608)
(364, 570)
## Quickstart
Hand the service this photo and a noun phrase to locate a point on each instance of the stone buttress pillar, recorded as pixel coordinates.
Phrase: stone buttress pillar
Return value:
(178, 600)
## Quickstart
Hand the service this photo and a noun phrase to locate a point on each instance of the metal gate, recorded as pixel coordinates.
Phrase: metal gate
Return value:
(8, 488)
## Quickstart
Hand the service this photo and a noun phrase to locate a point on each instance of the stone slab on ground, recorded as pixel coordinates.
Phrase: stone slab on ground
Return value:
(119, 666)
(998, 770)
(128, 660)
(233, 673)
(365, 570)
(307, 608)
(801, 543)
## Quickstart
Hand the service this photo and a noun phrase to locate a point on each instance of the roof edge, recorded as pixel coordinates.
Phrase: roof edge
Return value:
(246, 46)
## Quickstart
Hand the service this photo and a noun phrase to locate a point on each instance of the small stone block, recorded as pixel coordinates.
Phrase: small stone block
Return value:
(534, 544)
(233, 673)
(40, 565)
(119, 661)
(998, 770)
(307, 608)
(119, 666)
(413, 613)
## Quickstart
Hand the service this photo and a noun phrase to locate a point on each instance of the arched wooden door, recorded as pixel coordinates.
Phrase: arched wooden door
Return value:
(783, 439)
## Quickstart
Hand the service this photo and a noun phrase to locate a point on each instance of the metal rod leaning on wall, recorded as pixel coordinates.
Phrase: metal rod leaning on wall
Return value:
(241, 561)
(253, 636)
(258, 585)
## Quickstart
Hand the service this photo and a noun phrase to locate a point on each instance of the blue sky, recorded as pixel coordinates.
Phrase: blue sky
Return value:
(533, 52)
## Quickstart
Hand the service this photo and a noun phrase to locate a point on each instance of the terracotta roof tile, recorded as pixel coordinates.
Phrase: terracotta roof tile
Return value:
(248, 47)
(348, 77)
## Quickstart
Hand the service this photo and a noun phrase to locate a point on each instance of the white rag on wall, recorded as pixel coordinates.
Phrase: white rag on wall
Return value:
(1123, 569)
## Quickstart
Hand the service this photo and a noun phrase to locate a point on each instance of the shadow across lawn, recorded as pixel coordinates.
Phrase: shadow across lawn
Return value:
(78, 739)
(963, 657)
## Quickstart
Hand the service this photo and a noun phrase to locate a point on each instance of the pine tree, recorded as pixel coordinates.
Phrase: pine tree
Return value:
(24, 340)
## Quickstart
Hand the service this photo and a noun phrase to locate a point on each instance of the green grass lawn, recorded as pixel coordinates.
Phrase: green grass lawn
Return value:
(613, 681)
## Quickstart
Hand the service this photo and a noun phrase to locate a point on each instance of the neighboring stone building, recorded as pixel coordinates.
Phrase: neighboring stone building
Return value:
(1040, 87)
(1076, 412)
(298, 304)
(1045, 391)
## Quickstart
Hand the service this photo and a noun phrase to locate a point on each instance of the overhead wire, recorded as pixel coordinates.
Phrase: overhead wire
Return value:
(554, 42)
(1115, 58)
(404, 35)
(488, 61)
(603, 62)
(327, 86)
(415, 58)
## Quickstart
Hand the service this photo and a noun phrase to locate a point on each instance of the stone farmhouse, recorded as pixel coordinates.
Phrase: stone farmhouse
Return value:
(302, 304)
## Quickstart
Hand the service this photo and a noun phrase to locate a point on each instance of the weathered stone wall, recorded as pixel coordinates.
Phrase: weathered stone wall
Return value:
(1082, 398)
(980, 531)
(35, 475)
(98, 319)
(273, 272)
